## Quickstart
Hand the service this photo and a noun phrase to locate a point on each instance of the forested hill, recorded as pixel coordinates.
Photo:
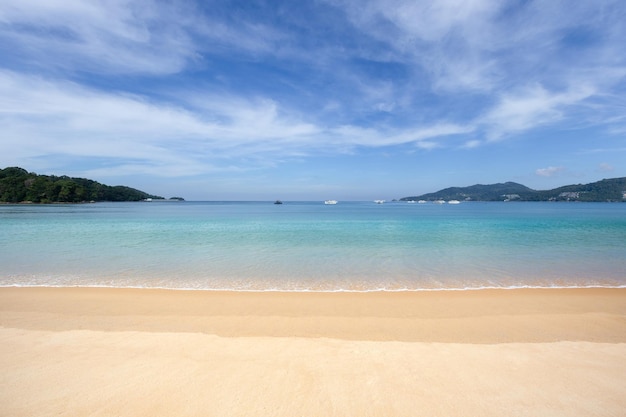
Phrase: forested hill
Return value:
(613, 189)
(18, 185)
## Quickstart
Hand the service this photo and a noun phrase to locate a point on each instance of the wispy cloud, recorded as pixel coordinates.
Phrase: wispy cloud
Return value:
(41, 117)
(181, 88)
(113, 36)
(549, 171)
(423, 137)
(122, 36)
(530, 108)
(606, 167)
(537, 58)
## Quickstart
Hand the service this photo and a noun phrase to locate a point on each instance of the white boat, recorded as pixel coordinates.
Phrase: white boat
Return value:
(439, 201)
(379, 201)
(454, 202)
(422, 202)
(330, 202)
(411, 201)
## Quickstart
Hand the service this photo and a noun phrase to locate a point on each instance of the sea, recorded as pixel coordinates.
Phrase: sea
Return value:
(311, 246)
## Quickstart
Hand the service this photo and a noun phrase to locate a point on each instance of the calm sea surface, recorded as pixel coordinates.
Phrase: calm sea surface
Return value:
(309, 246)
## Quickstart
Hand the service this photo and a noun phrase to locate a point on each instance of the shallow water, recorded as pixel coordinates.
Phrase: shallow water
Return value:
(304, 246)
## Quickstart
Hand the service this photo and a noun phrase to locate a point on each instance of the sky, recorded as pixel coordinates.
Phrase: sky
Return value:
(314, 99)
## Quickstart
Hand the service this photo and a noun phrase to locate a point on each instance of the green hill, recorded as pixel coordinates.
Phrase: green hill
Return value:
(606, 190)
(479, 192)
(18, 185)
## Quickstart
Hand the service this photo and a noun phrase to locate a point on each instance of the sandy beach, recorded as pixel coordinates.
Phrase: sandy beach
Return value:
(139, 352)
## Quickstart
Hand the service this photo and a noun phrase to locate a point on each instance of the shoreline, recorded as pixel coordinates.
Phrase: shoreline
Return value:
(278, 290)
(318, 291)
(150, 352)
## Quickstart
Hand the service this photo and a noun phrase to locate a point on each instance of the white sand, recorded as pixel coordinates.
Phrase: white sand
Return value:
(98, 352)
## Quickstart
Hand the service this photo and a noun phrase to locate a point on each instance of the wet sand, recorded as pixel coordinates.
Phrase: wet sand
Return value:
(139, 352)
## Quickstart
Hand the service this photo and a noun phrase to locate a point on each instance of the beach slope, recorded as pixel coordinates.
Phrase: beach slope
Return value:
(140, 352)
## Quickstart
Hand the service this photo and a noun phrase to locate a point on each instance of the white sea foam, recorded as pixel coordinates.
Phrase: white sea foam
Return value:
(278, 290)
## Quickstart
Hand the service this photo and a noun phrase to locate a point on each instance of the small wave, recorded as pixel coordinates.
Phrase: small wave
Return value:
(338, 290)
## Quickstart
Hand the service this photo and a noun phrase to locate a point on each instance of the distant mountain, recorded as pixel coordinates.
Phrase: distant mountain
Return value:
(18, 185)
(606, 190)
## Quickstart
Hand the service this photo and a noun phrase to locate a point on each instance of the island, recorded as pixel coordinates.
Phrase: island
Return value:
(20, 186)
(606, 190)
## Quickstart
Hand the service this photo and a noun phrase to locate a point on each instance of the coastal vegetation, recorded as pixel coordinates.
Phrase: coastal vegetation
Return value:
(613, 189)
(18, 185)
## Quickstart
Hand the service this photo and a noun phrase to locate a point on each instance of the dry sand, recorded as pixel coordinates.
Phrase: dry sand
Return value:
(126, 352)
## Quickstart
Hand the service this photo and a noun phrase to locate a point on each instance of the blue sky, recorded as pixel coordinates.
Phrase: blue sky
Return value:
(320, 99)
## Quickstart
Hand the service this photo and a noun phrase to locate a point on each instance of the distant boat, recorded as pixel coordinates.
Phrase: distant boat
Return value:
(422, 202)
(379, 201)
(454, 202)
(330, 202)
(411, 201)
(278, 202)
(439, 201)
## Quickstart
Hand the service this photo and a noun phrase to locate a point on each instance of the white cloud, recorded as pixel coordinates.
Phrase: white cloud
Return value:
(444, 38)
(385, 107)
(422, 136)
(606, 167)
(427, 74)
(549, 171)
(124, 36)
(529, 108)
(43, 117)
(111, 36)
(470, 144)
(47, 117)
(430, 20)
(428, 145)
(489, 45)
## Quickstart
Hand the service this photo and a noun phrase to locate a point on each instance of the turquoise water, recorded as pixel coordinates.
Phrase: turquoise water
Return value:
(309, 246)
